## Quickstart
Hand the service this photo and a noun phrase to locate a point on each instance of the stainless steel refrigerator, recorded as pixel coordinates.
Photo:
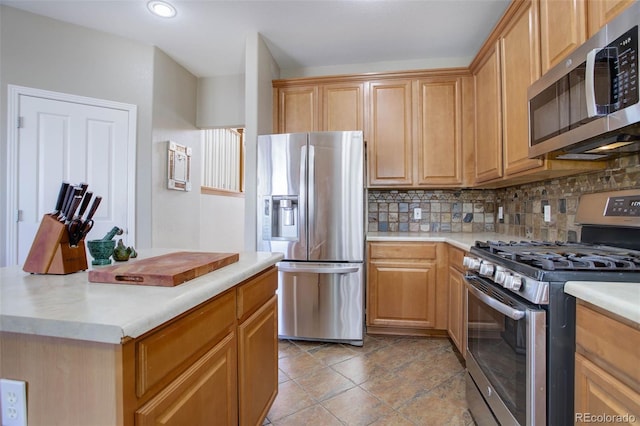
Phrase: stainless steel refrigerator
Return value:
(311, 209)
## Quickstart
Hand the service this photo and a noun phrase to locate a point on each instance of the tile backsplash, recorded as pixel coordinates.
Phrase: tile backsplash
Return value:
(472, 210)
(442, 211)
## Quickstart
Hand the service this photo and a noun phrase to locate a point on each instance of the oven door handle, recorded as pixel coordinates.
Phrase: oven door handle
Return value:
(514, 314)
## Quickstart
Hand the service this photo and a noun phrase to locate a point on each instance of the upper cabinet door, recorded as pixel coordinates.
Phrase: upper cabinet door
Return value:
(600, 12)
(488, 141)
(439, 144)
(520, 68)
(390, 133)
(562, 28)
(297, 109)
(342, 106)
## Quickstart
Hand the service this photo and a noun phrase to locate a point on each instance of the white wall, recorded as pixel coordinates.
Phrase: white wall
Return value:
(176, 214)
(222, 223)
(221, 102)
(261, 68)
(47, 54)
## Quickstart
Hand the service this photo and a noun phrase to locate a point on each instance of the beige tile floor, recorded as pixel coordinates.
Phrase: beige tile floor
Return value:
(389, 381)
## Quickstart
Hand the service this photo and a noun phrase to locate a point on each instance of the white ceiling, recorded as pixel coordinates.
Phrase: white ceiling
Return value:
(208, 36)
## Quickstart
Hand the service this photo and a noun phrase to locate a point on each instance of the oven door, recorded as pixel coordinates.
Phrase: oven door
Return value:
(506, 353)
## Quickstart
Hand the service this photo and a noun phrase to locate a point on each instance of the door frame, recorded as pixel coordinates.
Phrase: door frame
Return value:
(13, 108)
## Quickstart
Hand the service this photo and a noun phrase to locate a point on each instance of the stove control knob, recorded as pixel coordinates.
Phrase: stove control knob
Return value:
(500, 275)
(513, 282)
(486, 269)
(516, 283)
(471, 263)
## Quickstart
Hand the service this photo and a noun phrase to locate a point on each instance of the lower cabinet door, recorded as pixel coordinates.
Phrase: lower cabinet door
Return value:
(205, 394)
(601, 398)
(258, 363)
(402, 293)
(457, 310)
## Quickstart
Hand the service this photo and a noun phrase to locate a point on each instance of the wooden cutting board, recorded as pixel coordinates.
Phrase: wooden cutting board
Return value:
(167, 270)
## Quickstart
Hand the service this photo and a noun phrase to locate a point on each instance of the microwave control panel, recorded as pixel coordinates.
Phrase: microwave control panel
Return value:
(623, 206)
(625, 84)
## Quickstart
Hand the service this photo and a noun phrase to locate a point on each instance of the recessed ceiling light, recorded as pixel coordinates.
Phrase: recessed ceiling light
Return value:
(162, 9)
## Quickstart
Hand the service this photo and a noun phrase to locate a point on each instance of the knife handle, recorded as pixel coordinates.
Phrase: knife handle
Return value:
(65, 204)
(61, 194)
(73, 207)
(67, 210)
(85, 202)
(83, 186)
(94, 207)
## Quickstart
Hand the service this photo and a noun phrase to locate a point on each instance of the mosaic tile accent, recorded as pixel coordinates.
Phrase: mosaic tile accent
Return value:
(473, 210)
(442, 210)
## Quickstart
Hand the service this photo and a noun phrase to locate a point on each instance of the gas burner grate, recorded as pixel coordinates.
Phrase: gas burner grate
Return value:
(564, 256)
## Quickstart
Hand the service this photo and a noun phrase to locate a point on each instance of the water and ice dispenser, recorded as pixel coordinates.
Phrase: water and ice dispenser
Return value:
(280, 221)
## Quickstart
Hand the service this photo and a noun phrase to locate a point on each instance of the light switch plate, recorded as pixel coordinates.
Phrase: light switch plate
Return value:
(547, 213)
(500, 213)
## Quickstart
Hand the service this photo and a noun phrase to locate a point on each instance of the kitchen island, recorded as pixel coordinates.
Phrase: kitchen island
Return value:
(112, 354)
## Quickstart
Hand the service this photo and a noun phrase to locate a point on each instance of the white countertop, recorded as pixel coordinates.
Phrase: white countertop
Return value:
(70, 306)
(622, 299)
(462, 240)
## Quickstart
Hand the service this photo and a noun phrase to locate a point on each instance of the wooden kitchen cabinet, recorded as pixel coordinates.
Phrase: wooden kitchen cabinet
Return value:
(406, 291)
(309, 106)
(503, 72)
(390, 133)
(342, 106)
(257, 348)
(488, 141)
(298, 109)
(607, 374)
(457, 315)
(519, 69)
(440, 132)
(416, 124)
(600, 12)
(562, 28)
(565, 25)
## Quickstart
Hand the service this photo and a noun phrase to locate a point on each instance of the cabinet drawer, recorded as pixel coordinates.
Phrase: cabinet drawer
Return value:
(168, 350)
(256, 292)
(610, 344)
(402, 250)
(455, 258)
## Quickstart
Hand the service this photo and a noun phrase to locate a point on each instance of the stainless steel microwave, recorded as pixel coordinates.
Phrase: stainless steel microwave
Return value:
(587, 107)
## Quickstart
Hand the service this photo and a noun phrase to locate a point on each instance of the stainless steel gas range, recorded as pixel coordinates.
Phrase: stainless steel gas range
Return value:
(521, 324)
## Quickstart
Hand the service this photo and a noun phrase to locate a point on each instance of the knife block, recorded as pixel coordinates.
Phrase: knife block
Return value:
(51, 252)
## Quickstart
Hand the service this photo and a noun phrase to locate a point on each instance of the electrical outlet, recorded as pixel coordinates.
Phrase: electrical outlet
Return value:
(417, 213)
(547, 213)
(13, 396)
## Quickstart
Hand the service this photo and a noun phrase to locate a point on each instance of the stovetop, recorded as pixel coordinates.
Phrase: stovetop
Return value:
(562, 261)
(561, 256)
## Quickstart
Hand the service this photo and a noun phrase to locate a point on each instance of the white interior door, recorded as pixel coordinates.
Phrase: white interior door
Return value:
(74, 142)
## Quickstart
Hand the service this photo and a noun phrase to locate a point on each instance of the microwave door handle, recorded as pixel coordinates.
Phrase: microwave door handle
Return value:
(589, 81)
(514, 314)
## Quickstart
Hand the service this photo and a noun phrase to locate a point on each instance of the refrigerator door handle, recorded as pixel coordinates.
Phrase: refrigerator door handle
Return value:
(303, 223)
(318, 269)
(311, 199)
